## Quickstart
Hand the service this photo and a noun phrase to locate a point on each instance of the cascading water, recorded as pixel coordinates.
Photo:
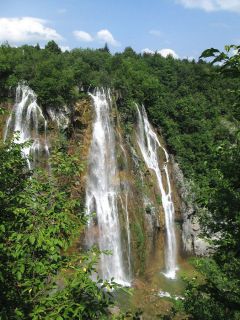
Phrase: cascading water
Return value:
(125, 187)
(27, 120)
(149, 146)
(102, 191)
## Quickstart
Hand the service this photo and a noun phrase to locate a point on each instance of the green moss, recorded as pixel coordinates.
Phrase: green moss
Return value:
(158, 199)
(140, 244)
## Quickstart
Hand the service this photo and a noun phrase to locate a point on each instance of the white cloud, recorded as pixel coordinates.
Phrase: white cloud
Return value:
(156, 33)
(103, 35)
(168, 52)
(26, 29)
(65, 48)
(106, 36)
(83, 36)
(147, 51)
(212, 5)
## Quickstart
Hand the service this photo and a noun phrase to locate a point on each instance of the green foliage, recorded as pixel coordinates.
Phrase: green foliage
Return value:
(152, 80)
(230, 59)
(218, 296)
(230, 67)
(40, 278)
(140, 243)
(105, 48)
(52, 47)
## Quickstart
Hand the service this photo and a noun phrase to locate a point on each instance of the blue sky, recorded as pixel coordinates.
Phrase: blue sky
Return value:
(185, 26)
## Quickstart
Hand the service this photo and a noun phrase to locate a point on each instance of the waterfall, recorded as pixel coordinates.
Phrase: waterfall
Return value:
(27, 121)
(149, 145)
(102, 191)
(125, 187)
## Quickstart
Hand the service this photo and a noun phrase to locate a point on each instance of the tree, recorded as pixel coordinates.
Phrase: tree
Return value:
(217, 296)
(105, 48)
(52, 46)
(40, 218)
(229, 60)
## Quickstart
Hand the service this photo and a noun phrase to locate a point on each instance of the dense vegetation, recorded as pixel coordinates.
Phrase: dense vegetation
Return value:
(195, 105)
(40, 277)
(218, 297)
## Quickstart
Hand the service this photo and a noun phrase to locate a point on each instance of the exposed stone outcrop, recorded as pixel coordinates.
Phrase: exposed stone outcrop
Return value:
(193, 243)
(61, 116)
(81, 136)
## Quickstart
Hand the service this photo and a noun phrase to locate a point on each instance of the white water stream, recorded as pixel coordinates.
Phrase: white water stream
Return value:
(150, 146)
(125, 187)
(27, 120)
(103, 190)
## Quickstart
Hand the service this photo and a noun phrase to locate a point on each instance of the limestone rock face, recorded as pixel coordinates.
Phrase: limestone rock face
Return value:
(191, 230)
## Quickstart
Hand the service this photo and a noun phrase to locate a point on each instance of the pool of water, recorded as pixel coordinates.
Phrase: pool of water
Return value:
(153, 293)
